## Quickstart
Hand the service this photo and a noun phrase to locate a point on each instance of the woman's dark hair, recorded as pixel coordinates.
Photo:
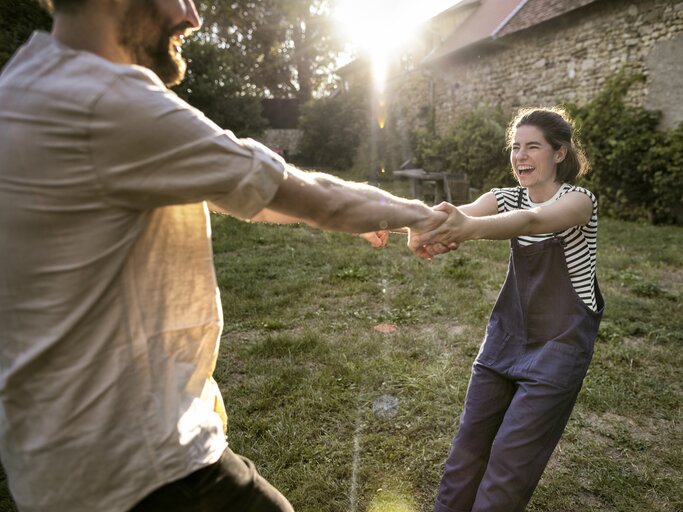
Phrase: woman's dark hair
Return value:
(558, 129)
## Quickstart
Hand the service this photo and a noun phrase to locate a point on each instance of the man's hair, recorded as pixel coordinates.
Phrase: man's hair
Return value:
(559, 130)
(62, 5)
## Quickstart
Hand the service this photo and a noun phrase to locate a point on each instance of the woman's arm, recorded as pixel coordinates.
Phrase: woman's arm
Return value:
(572, 209)
(483, 206)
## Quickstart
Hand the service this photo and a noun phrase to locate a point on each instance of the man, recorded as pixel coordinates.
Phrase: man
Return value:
(109, 308)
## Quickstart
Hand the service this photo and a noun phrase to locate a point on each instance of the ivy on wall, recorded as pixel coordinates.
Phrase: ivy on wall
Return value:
(637, 170)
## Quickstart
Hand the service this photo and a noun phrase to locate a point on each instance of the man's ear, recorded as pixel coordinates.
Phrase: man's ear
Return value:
(560, 154)
(47, 5)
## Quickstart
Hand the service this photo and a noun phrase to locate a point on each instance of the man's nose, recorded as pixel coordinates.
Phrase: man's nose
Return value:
(193, 20)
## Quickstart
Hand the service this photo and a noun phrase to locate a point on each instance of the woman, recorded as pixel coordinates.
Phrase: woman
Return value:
(539, 339)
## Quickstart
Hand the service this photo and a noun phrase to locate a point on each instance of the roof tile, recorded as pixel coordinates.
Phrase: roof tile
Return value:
(480, 26)
(534, 12)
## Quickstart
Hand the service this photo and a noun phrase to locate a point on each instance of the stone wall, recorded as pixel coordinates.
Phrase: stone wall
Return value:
(665, 88)
(285, 142)
(563, 60)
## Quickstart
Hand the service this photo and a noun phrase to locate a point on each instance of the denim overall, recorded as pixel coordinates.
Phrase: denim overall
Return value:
(524, 383)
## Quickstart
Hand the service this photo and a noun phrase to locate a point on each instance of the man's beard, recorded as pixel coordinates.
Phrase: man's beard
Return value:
(148, 36)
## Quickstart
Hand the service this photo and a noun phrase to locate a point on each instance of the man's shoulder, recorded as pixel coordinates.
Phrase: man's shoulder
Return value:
(45, 67)
(28, 55)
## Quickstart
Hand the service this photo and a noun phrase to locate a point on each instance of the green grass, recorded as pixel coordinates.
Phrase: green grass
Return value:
(301, 368)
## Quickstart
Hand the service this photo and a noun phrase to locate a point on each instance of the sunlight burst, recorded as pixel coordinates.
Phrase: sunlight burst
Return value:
(378, 28)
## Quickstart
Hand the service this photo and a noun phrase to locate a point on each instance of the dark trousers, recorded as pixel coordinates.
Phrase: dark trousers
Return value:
(230, 485)
(508, 430)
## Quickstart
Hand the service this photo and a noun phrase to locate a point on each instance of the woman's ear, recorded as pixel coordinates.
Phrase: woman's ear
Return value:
(560, 154)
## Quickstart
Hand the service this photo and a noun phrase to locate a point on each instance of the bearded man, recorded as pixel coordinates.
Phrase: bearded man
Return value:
(109, 307)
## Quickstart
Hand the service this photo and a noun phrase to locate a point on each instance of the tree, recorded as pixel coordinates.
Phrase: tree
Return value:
(246, 50)
(18, 19)
(212, 86)
(314, 47)
(281, 48)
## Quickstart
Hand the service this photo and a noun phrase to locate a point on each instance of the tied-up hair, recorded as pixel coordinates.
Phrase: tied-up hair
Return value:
(558, 129)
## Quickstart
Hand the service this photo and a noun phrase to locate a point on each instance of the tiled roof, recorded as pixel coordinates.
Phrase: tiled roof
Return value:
(534, 12)
(480, 26)
(493, 19)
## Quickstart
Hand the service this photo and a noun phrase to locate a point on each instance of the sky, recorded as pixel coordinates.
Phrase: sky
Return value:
(432, 7)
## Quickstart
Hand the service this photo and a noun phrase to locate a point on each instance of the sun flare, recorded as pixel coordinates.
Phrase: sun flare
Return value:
(379, 28)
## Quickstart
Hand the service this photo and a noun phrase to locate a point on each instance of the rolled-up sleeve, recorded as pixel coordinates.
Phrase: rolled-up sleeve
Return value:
(150, 149)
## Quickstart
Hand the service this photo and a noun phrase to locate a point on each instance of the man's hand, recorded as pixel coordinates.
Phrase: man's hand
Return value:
(417, 236)
(440, 237)
(377, 239)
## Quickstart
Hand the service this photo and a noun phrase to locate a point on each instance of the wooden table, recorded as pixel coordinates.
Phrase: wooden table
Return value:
(419, 177)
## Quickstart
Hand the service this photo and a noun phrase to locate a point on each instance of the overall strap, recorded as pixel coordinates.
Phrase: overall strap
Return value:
(520, 193)
(558, 236)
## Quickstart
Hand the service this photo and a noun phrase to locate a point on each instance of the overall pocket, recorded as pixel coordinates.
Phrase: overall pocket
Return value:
(560, 364)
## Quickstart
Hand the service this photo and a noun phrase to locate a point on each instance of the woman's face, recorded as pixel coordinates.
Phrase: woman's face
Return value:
(534, 161)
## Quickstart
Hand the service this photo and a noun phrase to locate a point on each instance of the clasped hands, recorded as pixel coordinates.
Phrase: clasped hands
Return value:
(441, 232)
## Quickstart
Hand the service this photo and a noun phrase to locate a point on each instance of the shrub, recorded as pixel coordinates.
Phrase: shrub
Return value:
(636, 168)
(332, 130)
(475, 145)
(664, 165)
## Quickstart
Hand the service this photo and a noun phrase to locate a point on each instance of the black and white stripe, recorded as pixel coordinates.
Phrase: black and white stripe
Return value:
(580, 241)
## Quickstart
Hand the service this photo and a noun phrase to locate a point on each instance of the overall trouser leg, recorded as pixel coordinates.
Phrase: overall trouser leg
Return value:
(530, 430)
(488, 397)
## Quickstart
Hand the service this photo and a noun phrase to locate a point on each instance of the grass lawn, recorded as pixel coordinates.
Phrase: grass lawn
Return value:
(344, 418)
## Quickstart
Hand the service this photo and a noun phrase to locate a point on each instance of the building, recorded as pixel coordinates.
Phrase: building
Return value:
(513, 53)
(283, 134)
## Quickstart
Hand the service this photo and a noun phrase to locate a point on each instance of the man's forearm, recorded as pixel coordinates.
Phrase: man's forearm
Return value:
(327, 202)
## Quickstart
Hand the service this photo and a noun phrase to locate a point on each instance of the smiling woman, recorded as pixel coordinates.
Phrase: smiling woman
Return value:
(380, 27)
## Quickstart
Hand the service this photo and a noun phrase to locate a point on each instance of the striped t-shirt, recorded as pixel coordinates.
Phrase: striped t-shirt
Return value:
(580, 241)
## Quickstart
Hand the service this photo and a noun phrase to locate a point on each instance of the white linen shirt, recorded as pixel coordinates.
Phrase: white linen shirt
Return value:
(110, 315)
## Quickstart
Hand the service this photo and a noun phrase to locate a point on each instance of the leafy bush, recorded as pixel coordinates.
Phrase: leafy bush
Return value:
(332, 129)
(664, 165)
(475, 145)
(637, 170)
